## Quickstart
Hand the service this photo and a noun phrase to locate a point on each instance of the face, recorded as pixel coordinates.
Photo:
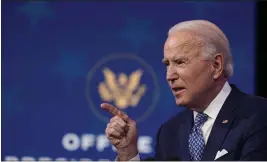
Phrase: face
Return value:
(189, 74)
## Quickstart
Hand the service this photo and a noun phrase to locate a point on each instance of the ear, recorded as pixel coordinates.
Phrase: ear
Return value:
(218, 64)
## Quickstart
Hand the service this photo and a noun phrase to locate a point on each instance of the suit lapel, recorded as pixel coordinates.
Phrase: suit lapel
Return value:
(222, 125)
(184, 135)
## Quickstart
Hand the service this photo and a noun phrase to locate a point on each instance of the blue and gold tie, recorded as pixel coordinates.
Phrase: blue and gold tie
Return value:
(196, 139)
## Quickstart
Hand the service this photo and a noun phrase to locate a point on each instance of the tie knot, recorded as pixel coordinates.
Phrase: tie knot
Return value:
(201, 118)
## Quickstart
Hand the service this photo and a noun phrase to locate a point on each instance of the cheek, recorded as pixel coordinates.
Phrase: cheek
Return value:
(187, 76)
(195, 77)
(204, 75)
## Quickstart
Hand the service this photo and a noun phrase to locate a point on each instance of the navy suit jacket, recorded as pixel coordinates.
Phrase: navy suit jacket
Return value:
(244, 136)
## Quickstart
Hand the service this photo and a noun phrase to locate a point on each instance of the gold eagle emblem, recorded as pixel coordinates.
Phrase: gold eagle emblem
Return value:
(122, 90)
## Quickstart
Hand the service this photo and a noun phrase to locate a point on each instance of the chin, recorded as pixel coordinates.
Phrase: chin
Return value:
(183, 101)
(187, 104)
(180, 102)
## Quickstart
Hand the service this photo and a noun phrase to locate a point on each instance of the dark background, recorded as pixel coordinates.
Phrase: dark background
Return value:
(261, 49)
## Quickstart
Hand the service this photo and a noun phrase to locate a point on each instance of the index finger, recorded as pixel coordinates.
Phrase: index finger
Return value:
(114, 111)
(110, 108)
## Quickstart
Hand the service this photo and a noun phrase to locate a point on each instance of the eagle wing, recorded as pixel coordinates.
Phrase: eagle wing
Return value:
(104, 92)
(110, 80)
(134, 80)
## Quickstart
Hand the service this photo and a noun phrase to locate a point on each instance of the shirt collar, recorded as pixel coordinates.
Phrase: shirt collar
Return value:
(215, 106)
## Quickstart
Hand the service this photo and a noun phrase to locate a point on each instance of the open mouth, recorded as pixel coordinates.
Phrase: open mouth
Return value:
(178, 90)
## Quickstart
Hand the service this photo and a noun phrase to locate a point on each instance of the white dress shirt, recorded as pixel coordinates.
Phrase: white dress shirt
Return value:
(212, 111)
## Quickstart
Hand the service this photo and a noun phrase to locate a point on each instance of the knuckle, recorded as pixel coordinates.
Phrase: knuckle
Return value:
(113, 124)
(107, 132)
(116, 118)
(111, 130)
(123, 124)
(112, 119)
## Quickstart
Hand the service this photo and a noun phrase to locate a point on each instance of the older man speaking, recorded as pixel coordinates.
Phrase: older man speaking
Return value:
(221, 122)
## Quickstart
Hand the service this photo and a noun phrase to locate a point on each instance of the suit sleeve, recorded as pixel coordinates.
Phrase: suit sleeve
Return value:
(158, 152)
(255, 144)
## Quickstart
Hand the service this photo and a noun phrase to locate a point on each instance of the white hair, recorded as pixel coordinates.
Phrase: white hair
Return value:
(215, 40)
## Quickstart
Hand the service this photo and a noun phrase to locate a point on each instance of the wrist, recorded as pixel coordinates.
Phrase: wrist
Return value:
(126, 154)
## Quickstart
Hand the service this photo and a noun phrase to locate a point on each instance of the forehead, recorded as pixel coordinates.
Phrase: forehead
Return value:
(183, 43)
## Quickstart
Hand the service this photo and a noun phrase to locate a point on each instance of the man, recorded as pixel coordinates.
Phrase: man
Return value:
(221, 122)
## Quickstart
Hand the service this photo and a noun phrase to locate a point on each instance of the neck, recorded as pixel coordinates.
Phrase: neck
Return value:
(213, 91)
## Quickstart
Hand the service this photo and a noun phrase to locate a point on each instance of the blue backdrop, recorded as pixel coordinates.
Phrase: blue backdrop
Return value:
(60, 60)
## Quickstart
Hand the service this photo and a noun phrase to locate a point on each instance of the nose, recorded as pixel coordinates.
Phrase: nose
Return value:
(172, 75)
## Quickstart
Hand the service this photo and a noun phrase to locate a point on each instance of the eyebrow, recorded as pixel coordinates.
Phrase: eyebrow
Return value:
(164, 60)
